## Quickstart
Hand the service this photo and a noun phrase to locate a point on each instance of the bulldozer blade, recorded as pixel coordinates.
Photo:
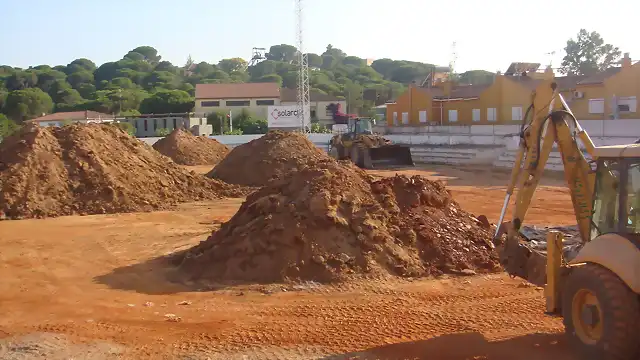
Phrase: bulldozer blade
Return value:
(390, 155)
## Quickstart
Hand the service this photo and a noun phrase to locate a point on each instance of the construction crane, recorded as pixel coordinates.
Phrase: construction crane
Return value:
(303, 94)
(594, 283)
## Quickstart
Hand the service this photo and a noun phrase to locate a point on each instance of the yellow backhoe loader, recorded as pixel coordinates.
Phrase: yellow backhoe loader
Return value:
(594, 286)
(366, 149)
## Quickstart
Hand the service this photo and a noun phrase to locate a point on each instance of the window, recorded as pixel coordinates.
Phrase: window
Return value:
(606, 199)
(453, 115)
(175, 123)
(491, 114)
(405, 118)
(422, 115)
(596, 106)
(627, 104)
(516, 113)
(210, 103)
(395, 118)
(146, 125)
(155, 124)
(164, 122)
(632, 195)
(313, 114)
(238, 103)
(262, 102)
(329, 113)
(475, 114)
(135, 124)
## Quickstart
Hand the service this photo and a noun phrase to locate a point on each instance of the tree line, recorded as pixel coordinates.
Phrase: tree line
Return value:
(141, 82)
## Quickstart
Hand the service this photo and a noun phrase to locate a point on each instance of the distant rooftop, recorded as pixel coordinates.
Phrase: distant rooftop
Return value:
(74, 116)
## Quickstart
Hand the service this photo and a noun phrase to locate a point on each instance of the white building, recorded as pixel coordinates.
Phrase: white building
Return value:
(256, 98)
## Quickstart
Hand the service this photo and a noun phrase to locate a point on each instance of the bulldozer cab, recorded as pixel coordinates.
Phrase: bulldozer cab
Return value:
(616, 198)
(360, 126)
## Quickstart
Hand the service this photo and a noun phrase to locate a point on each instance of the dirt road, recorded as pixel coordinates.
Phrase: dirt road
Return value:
(93, 288)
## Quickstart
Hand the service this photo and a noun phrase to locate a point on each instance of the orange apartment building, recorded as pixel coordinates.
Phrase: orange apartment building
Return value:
(609, 94)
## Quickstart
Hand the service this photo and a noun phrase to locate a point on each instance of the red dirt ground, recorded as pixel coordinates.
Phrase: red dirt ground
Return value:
(73, 286)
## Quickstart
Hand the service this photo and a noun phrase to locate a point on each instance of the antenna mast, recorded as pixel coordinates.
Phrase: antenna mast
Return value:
(452, 62)
(303, 103)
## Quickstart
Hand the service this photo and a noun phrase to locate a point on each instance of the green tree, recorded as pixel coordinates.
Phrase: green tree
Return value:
(314, 60)
(588, 54)
(78, 78)
(476, 77)
(167, 101)
(27, 104)
(46, 78)
(233, 64)
(218, 121)
(20, 80)
(282, 52)
(274, 78)
(335, 52)
(7, 127)
(81, 64)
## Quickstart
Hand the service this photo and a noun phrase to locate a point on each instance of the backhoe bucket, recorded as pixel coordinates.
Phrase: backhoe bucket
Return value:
(389, 156)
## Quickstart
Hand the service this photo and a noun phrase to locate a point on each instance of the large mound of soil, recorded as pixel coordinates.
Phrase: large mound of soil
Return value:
(187, 149)
(271, 156)
(93, 169)
(333, 221)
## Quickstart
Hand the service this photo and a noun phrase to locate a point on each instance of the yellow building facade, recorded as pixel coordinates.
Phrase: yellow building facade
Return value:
(609, 94)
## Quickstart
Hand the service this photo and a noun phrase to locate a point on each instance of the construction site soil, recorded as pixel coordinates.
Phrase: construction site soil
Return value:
(93, 169)
(271, 156)
(184, 148)
(331, 221)
(97, 287)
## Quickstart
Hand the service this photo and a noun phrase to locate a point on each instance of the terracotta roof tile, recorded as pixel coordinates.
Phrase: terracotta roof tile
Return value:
(568, 82)
(526, 81)
(237, 91)
(73, 116)
(600, 77)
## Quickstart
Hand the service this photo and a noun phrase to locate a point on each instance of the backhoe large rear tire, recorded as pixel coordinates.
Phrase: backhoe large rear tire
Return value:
(601, 314)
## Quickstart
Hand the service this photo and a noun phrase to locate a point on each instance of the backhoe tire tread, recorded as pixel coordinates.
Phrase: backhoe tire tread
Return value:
(620, 309)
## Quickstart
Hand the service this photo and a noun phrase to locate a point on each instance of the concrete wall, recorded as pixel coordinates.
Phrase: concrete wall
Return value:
(491, 145)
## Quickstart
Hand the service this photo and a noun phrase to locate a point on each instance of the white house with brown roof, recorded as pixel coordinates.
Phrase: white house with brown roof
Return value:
(58, 119)
(257, 97)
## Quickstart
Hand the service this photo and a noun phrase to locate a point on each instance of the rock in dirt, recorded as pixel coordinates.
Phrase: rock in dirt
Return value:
(93, 169)
(187, 149)
(271, 156)
(332, 221)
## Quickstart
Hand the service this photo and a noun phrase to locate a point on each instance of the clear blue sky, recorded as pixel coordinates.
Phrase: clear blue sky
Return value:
(489, 34)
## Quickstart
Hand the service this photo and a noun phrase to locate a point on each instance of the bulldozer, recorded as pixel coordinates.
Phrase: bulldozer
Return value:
(593, 284)
(364, 148)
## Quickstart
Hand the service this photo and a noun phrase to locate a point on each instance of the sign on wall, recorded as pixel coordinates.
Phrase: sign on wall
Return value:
(283, 117)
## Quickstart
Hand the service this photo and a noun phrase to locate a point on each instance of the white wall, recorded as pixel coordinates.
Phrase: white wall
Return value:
(491, 144)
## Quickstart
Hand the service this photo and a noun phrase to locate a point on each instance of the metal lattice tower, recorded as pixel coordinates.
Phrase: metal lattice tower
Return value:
(304, 109)
(452, 62)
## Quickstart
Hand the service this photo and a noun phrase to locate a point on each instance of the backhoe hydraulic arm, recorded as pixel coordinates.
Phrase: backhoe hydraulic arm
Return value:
(545, 124)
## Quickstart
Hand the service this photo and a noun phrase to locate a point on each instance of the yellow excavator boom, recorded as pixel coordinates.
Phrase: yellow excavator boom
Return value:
(548, 122)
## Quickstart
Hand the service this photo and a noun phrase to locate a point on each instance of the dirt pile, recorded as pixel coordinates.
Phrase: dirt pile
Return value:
(332, 222)
(187, 149)
(271, 156)
(93, 169)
